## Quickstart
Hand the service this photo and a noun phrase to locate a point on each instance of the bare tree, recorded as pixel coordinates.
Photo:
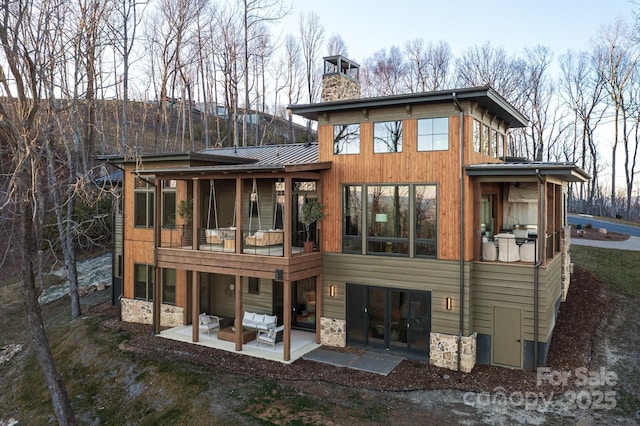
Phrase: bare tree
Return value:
(256, 12)
(336, 46)
(617, 58)
(482, 65)
(123, 27)
(26, 33)
(388, 72)
(311, 38)
(293, 80)
(581, 88)
(428, 65)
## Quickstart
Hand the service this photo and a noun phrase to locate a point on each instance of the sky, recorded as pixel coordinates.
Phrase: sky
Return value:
(366, 26)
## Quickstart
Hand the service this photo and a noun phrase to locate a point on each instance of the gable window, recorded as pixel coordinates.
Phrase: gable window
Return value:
(477, 138)
(143, 204)
(169, 203)
(143, 279)
(346, 139)
(352, 214)
(387, 136)
(433, 134)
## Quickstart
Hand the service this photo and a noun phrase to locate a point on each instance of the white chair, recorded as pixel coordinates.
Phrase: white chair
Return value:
(209, 322)
(489, 251)
(528, 252)
(508, 250)
(272, 337)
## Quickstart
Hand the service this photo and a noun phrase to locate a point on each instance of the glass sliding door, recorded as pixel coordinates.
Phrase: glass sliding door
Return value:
(388, 318)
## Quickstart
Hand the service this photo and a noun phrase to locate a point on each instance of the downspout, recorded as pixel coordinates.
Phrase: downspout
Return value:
(536, 269)
(461, 200)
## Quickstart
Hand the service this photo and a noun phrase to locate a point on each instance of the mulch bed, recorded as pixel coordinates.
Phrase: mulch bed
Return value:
(595, 234)
(571, 346)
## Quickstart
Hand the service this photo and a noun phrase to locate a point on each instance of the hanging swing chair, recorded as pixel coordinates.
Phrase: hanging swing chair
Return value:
(261, 237)
(217, 235)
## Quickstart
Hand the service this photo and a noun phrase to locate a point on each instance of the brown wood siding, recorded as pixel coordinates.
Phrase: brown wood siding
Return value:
(512, 285)
(441, 278)
(408, 166)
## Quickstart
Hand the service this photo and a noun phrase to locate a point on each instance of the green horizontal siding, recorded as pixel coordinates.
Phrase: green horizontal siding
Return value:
(441, 278)
(512, 285)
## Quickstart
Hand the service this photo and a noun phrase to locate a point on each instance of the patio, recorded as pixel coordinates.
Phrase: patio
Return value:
(302, 342)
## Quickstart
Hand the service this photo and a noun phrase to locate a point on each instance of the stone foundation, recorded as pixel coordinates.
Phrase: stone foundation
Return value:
(443, 351)
(567, 266)
(333, 332)
(140, 311)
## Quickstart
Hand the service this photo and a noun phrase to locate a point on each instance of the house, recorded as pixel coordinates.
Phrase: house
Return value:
(434, 245)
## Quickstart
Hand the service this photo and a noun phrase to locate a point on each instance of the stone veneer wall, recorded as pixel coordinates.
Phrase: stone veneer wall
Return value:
(336, 87)
(443, 351)
(333, 332)
(567, 266)
(141, 311)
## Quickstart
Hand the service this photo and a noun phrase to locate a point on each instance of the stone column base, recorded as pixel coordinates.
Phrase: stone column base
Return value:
(140, 311)
(443, 351)
(333, 332)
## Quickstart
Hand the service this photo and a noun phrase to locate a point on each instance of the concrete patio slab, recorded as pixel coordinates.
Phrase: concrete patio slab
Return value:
(372, 362)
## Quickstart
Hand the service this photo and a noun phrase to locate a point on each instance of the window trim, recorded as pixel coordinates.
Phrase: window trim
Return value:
(149, 284)
(387, 139)
(432, 134)
(363, 223)
(350, 139)
(149, 191)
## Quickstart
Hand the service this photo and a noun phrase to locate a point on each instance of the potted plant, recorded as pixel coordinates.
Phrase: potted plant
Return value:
(312, 211)
(185, 211)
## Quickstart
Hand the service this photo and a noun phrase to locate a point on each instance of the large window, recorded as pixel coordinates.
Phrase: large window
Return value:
(169, 286)
(346, 139)
(143, 279)
(392, 215)
(387, 136)
(433, 134)
(352, 214)
(500, 145)
(169, 203)
(494, 143)
(486, 141)
(143, 208)
(388, 214)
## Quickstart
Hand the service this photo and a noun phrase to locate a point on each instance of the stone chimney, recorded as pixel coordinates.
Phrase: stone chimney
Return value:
(340, 80)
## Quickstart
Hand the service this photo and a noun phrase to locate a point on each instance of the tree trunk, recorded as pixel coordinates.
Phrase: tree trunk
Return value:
(53, 379)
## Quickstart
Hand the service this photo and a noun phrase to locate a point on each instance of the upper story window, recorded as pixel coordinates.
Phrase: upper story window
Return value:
(387, 136)
(494, 143)
(143, 204)
(477, 137)
(169, 203)
(426, 231)
(433, 134)
(388, 211)
(500, 145)
(486, 141)
(346, 139)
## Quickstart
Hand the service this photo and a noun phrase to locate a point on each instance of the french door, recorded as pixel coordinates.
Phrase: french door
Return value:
(389, 318)
(303, 303)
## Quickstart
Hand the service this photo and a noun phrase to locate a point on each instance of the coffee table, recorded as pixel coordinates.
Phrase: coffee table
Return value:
(228, 334)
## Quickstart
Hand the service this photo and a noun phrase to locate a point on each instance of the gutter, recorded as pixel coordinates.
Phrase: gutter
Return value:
(536, 270)
(461, 200)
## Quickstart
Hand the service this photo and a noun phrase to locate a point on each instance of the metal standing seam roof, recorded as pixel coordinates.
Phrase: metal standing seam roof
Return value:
(271, 155)
(565, 170)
